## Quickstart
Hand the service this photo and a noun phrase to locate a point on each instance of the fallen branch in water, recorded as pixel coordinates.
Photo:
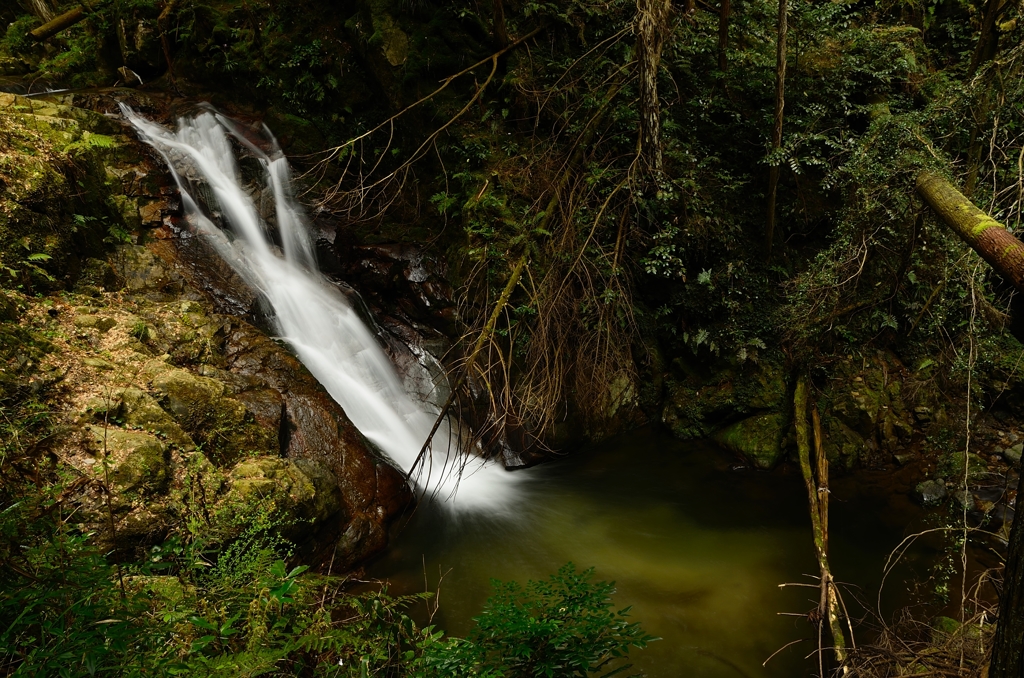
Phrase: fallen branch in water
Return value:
(816, 480)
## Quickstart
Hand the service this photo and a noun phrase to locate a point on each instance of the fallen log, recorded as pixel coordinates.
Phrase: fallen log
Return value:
(58, 24)
(828, 614)
(986, 236)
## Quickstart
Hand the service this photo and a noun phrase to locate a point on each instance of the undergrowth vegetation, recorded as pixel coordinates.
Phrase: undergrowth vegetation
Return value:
(243, 611)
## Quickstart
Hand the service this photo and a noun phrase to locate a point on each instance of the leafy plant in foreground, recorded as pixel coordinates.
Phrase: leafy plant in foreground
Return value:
(562, 626)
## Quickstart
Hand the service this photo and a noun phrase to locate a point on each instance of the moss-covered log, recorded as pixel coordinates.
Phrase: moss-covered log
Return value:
(816, 480)
(58, 24)
(985, 235)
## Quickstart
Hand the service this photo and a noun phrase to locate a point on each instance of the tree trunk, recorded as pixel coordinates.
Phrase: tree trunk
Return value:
(501, 39)
(984, 51)
(652, 27)
(40, 9)
(976, 146)
(780, 105)
(1005, 253)
(985, 235)
(723, 37)
(1008, 646)
(988, 40)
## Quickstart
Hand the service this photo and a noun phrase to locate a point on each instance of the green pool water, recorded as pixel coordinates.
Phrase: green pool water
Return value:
(695, 545)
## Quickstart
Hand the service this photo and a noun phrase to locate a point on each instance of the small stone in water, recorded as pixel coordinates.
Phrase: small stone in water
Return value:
(931, 492)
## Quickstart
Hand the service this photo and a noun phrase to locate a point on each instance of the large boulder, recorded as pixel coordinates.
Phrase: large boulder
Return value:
(297, 496)
(134, 407)
(698, 404)
(864, 410)
(316, 429)
(758, 438)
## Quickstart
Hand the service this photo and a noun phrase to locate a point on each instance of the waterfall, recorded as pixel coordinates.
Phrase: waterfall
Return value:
(312, 315)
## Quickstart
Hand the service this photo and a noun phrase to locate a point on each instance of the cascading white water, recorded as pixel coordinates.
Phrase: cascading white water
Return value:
(312, 315)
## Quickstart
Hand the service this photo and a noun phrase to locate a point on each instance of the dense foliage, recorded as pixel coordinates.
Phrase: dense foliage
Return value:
(875, 92)
(593, 283)
(241, 611)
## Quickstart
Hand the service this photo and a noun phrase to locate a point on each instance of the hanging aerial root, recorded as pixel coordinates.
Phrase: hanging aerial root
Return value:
(485, 335)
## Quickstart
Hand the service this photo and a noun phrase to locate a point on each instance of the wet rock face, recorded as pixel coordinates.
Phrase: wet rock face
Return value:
(397, 280)
(864, 410)
(188, 417)
(699, 404)
(237, 432)
(316, 429)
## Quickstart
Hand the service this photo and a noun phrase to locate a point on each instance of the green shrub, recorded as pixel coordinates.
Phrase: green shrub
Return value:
(563, 626)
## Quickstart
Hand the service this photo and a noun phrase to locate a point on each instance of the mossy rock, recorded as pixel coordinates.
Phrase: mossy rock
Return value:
(54, 196)
(692, 411)
(21, 350)
(95, 322)
(944, 626)
(143, 272)
(758, 438)
(9, 311)
(867, 397)
(297, 496)
(168, 589)
(138, 462)
(697, 405)
(194, 399)
(96, 275)
(222, 424)
(135, 407)
(765, 387)
(143, 526)
(843, 445)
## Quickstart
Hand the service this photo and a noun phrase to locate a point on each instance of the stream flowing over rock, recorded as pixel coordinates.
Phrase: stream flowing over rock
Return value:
(316, 319)
(188, 414)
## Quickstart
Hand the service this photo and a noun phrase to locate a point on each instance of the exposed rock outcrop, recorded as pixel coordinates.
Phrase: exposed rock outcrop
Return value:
(175, 417)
